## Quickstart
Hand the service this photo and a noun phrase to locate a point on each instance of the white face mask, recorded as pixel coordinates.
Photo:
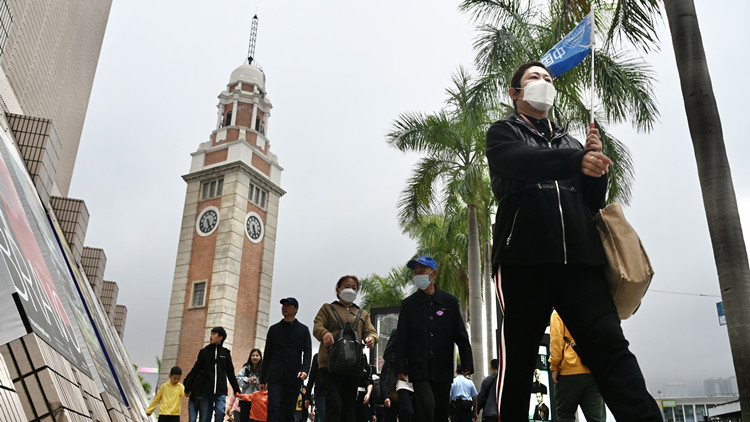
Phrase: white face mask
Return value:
(539, 94)
(348, 295)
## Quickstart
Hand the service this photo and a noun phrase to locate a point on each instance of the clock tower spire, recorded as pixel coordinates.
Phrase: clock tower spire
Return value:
(225, 257)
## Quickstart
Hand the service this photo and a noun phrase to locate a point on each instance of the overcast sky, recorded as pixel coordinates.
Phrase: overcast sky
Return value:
(338, 74)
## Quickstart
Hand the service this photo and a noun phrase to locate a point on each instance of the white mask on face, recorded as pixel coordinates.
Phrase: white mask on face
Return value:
(348, 295)
(539, 94)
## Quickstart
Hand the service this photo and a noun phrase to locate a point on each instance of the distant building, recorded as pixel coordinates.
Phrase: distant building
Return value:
(693, 409)
(721, 386)
(675, 389)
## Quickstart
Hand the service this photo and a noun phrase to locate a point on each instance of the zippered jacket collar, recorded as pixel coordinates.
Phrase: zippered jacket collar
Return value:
(558, 132)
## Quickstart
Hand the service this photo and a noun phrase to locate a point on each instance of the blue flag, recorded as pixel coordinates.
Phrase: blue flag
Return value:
(572, 49)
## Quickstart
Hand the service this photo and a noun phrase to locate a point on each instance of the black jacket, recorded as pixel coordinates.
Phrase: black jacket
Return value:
(312, 380)
(211, 371)
(428, 326)
(284, 358)
(487, 396)
(546, 204)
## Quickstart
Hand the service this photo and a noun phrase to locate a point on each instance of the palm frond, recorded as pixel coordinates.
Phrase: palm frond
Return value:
(625, 87)
(418, 196)
(635, 20)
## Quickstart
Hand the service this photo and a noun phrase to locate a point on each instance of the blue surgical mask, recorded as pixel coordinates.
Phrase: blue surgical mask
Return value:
(422, 281)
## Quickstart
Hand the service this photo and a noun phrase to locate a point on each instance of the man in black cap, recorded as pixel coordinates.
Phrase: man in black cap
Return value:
(286, 362)
(429, 324)
(209, 376)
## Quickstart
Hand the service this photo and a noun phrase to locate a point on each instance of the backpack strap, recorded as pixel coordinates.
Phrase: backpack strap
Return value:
(338, 318)
(356, 324)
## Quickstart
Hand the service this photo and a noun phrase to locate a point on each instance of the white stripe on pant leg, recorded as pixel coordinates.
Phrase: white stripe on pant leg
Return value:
(501, 344)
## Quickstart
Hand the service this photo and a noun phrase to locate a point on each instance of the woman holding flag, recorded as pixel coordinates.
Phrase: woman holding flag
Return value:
(547, 253)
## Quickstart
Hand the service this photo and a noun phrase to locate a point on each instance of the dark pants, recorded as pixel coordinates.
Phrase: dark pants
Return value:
(579, 389)
(405, 405)
(581, 297)
(282, 400)
(463, 416)
(432, 401)
(391, 412)
(463, 411)
(362, 411)
(244, 411)
(320, 405)
(341, 394)
(169, 418)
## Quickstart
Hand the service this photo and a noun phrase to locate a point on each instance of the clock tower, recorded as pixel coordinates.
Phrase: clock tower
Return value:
(225, 257)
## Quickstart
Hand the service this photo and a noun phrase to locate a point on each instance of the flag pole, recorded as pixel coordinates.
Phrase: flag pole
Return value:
(593, 43)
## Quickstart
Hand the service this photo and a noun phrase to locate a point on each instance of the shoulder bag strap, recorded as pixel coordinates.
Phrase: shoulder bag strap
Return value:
(338, 318)
(356, 324)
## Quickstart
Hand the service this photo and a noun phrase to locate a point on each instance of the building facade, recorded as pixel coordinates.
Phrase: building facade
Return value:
(49, 51)
(225, 256)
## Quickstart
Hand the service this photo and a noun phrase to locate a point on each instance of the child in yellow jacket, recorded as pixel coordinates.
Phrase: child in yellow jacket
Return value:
(170, 396)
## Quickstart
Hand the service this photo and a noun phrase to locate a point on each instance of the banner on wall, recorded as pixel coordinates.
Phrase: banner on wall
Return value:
(52, 296)
(99, 364)
(25, 273)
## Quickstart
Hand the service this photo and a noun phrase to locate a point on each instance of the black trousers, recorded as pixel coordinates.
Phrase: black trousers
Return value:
(282, 399)
(432, 401)
(580, 295)
(341, 395)
(244, 411)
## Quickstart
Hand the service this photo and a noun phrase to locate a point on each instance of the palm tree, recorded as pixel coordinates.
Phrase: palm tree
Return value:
(444, 237)
(488, 207)
(453, 143)
(384, 291)
(715, 178)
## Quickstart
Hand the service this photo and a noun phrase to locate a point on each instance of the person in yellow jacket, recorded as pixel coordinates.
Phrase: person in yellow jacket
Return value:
(170, 396)
(574, 384)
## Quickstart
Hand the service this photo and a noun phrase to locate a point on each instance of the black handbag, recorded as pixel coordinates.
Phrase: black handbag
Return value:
(345, 354)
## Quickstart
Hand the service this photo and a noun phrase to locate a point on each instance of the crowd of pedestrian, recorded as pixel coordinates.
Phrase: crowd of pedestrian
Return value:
(546, 255)
(417, 381)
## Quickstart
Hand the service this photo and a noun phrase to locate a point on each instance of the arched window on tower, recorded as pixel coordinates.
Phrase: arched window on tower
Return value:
(257, 124)
(228, 120)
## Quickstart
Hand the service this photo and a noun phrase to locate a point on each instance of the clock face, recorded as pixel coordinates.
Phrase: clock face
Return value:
(207, 222)
(254, 227)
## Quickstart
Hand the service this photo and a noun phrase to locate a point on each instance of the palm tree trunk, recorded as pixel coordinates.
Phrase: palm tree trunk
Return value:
(489, 301)
(715, 178)
(475, 298)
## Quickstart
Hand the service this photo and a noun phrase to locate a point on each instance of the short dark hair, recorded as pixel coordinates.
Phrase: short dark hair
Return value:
(344, 278)
(176, 370)
(515, 80)
(494, 364)
(221, 332)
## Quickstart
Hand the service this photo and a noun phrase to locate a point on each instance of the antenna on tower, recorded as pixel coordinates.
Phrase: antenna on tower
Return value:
(253, 36)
